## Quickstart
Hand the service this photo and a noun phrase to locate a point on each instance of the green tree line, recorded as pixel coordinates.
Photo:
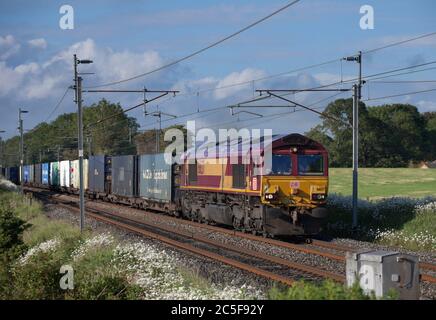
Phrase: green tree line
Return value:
(394, 135)
(107, 130)
(389, 135)
(58, 139)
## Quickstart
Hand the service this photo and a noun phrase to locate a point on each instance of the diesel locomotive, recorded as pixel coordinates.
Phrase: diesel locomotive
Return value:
(286, 197)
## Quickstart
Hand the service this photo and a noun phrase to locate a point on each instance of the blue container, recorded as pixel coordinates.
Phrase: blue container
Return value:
(98, 174)
(26, 174)
(13, 174)
(45, 173)
(124, 178)
(155, 178)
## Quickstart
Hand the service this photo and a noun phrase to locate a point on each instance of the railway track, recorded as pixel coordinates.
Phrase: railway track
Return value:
(161, 233)
(309, 249)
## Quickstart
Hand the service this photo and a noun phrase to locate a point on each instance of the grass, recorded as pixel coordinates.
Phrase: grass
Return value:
(376, 183)
(404, 222)
(383, 216)
(42, 228)
(104, 266)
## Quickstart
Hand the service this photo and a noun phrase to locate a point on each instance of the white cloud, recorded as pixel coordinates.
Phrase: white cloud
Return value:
(234, 78)
(10, 79)
(39, 81)
(193, 86)
(108, 65)
(426, 106)
(42, 88)
(8, 47)
(38, 43)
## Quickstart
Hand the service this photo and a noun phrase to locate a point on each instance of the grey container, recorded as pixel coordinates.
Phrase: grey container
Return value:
(98, 174)
(124, 177)
(38, 174)
(155, 178)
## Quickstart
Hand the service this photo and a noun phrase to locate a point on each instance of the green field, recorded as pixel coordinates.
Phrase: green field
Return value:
(376, 183)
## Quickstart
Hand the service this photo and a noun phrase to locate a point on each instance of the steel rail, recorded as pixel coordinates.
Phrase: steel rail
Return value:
(243, 251)
(287, 245)
(187, 247)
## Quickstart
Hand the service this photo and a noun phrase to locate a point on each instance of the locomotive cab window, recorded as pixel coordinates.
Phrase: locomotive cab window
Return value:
(311, 165)
(281, 165)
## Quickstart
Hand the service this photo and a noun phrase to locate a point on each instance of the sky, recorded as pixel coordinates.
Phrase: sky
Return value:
(130, 37)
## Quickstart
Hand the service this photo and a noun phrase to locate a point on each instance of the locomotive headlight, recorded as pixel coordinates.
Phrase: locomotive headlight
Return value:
(270, 196)
(318, 196)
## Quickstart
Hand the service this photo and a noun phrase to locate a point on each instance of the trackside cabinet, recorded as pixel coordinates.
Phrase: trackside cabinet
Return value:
(381, 271)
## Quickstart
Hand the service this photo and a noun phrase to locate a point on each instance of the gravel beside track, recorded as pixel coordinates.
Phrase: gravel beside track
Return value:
(219, 273)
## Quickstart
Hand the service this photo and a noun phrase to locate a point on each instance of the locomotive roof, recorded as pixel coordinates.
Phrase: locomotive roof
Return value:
(277, 141)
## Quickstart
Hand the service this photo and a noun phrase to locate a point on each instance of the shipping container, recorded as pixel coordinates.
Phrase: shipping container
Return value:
(13, 174)
(75, 176)
(99, 174)
(124, 178)
(64, 173)
(45, 173)
(28, 173)
(155, 178)
(38, 173)
(54, 174)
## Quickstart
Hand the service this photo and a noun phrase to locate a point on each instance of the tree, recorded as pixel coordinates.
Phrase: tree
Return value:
(430, 135)
(405, 131)
(389, 135)
(146, 141)
(335, 132)
(114, 135)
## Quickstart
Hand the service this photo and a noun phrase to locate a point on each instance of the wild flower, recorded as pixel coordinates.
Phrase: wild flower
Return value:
(381, 220)
(45, 246)
(98, 241)
(158, 273)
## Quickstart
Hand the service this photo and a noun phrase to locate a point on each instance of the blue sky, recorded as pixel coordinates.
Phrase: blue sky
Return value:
(125, 38)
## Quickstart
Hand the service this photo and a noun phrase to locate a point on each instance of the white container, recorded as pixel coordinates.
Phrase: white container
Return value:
(64, 173)
(75, 177)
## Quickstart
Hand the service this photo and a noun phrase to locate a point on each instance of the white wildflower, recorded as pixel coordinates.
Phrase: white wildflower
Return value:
(157, 272)
(45, 246)
(98, 241)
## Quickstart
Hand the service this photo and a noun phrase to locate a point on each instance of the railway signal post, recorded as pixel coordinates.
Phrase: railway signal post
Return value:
(357, 91)
(1, 149)
(78, 96)
(20, 122)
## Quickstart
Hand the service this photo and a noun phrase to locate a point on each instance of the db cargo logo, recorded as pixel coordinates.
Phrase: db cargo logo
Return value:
(294, 184)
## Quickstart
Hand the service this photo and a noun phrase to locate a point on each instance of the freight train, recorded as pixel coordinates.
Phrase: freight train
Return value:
(286, 199)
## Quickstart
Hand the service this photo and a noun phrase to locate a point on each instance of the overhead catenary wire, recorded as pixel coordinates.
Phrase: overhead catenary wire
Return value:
(280, 114)
(404, 81)
(400, 42)
(200, 50)
(309, 66)
(399, 95)
(402, 73)
(326, 85)
(294, 70)
(58, 104)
